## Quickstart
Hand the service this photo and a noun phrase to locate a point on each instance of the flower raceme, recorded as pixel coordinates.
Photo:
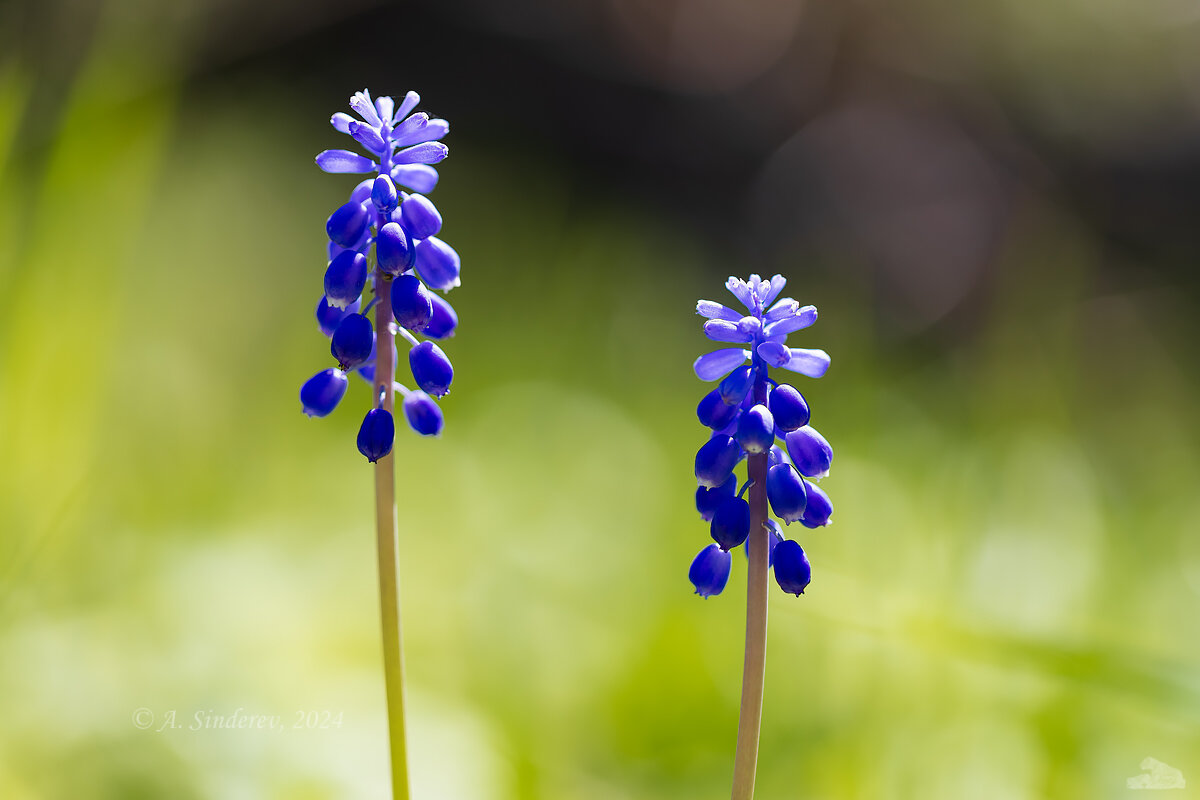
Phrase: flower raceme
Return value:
(752, 415)
(385, 239)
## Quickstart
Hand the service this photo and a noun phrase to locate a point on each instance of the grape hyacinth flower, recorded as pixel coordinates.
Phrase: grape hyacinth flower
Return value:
(383, 241)
(755, 419)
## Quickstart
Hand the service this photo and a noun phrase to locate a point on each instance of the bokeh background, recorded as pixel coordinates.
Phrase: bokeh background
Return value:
(994, 205)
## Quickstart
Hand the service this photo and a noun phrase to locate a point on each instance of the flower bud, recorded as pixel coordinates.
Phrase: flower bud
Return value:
(346, 225)
(736, 385)
(710, 570)
(792, 570)
(393, 249)
(321, 393)
(345, 278)
(423, 414)
(329, 316)
(716, 459)
(421, 218)
(412, 304)
(756, 430)
(707, 499)
(819, 509)
(785, 490)
(731, 523)
(444, 320)
(383, 194)
(714, 412)
(749, 327)
(376, 435)
(811, 454)
(789, 407)
(361, 193)
(431, 369)
(352, 341)
(437, 263)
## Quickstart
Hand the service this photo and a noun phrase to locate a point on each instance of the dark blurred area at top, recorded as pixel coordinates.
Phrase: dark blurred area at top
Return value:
(897, 142)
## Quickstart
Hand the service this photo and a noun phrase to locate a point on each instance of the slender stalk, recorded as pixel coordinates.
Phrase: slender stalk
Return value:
(754, 667)
(387, 544)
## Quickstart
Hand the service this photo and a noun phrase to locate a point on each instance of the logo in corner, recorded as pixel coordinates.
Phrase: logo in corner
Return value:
(1157, 775)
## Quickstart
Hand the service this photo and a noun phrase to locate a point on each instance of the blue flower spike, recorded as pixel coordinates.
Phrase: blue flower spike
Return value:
(746, 413)
(385, 254)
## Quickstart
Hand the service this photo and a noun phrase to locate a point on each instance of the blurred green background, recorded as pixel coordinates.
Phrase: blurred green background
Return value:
(993, 205)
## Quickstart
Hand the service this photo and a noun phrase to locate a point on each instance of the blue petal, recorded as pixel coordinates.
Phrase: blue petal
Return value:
(436, 129)
(772, 290)
(784, 308)
(819, 511)
(711, 366)
(383, 194)
(353, 341)
(377, 434)
(812, 363)
(367, 136)
(339, 161)
(384, 106)
(418, 177)
(710, 570)
(803, 319)
(411, 131)
(735, 388)
(707, 499)
(788, 407)
(716, 459)
(444, 321)
(811, 453)
(438, 264)
(741, 290)
(793, 573)
(406, 105)
(321, 393)
(329, 316)
(421, 217)
(362, 192)
(431, 369)
(785, 491)
(362, 105)
(774, 353)
(730, 523)
(423, 414)
(720, 330)
(341, 121)
(713, 411)
(711, 310)
(756, 430)
(427, 153)
(393, 249)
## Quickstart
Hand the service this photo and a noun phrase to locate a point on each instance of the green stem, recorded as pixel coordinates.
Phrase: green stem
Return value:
(387, 544)
(754, 667)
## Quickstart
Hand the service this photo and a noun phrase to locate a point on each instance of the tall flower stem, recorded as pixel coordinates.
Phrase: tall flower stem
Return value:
(387, 544)
(755, 665)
